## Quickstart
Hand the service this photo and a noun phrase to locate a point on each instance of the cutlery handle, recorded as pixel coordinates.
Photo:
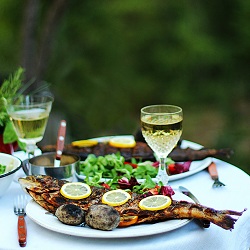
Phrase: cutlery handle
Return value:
(22, 230)
(60, 139)
(213, 171)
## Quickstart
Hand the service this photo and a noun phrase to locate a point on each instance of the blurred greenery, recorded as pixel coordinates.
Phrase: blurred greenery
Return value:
(110, 58)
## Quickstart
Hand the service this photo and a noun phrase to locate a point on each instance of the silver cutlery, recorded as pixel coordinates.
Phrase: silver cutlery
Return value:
(204, 223)
(212, 169)
(19, 209)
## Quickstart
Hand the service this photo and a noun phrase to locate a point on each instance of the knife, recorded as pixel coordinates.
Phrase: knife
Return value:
(185, 191)
(60, 143)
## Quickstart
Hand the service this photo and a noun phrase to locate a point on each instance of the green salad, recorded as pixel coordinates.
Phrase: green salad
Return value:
(112, 171)
(114, 166)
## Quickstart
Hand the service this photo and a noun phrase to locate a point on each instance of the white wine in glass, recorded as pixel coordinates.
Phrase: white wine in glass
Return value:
(29, 115)
(161, 127)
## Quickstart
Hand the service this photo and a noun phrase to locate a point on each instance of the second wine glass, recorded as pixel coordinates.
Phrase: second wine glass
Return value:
(161, 127)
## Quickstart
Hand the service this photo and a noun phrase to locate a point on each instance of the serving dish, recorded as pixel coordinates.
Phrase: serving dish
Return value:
(13, 164)
(40, 216)
(195, 167)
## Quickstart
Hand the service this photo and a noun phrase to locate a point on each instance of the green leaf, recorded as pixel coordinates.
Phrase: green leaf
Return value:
(9, 134)
(2, 168)
(147, 184)
(21, 145)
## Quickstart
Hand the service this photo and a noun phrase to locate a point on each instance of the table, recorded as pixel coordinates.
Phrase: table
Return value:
(234, 196)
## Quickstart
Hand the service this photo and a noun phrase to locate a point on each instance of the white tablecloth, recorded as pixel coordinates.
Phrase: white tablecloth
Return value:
(234, 196)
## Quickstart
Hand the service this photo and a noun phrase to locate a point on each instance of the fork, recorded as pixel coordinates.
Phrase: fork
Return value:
(19, 209)
(214, 175)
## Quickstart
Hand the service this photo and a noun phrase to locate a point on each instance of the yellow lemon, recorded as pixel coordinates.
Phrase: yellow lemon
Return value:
(155, 202)
(122, 142)
(75, 190)
(84, 143)
(115, 197)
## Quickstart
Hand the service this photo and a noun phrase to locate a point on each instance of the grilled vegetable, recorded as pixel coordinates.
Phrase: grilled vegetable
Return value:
(70, 214)
(102, 217)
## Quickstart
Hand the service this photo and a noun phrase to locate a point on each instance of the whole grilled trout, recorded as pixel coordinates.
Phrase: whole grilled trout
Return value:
(142, 151)
(45, 190)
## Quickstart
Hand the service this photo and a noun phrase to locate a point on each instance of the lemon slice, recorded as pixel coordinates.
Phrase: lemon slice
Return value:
(75, 190)
(84, 143)
(155, 202)
(122, 142)
(115, 197)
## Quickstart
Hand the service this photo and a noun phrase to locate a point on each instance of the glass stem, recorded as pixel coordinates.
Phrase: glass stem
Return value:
(162, 175)
(30, 149)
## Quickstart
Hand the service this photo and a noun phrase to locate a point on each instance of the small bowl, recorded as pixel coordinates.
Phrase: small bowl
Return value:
(44, 165)
(12, 164)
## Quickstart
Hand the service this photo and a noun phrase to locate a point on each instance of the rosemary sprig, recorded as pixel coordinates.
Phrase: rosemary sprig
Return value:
(10, 88)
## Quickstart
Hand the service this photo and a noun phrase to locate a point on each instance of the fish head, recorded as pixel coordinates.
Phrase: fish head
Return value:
(40, 183)
(29, 182)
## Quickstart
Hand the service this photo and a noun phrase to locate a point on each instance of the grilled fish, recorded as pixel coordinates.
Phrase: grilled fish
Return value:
(45, 190)
(142, 151)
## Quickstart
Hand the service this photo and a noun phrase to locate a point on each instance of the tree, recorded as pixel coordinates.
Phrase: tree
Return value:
(38, 36)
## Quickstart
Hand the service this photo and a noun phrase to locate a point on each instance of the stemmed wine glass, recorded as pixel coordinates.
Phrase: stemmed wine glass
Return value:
(29, 115)
(161, 127)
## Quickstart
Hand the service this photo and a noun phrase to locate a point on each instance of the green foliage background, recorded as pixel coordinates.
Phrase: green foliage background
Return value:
(110, 58)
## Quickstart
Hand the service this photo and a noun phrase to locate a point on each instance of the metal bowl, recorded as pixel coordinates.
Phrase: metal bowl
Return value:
(44, 165)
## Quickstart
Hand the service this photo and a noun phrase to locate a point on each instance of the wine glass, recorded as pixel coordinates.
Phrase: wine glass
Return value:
(161, 127)
(29, 115)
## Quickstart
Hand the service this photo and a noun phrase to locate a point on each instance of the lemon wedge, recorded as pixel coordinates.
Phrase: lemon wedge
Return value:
(84, 143)
(115, 197)
(75, 190)
(155, 202)
(122, 142)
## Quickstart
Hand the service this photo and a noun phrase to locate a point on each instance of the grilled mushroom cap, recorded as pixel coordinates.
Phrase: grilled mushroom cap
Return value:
(70, 214)
(102, 217)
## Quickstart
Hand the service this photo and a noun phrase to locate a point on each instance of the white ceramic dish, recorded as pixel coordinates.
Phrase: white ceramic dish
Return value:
(12, 164)
(49, 221)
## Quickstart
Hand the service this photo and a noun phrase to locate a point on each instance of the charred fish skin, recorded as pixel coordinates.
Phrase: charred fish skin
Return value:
(46, 192)
(188, 154)
(41, 183)
(142, 151)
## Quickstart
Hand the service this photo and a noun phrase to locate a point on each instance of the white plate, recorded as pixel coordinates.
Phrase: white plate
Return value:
(195, 167)
(40, 216)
